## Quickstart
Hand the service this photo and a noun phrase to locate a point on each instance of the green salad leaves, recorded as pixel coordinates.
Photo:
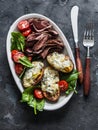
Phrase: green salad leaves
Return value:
(71, 78)
(24, 61)
(18, 41)
(28, 97)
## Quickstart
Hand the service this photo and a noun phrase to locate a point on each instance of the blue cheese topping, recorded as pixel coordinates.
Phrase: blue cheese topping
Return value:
(31, 74)
(60, 62)
(50, 81)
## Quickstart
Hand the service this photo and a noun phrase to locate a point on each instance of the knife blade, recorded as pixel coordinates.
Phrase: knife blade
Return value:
(74, 21)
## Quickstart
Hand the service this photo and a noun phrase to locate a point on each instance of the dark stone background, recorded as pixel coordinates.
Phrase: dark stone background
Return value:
(79, 113)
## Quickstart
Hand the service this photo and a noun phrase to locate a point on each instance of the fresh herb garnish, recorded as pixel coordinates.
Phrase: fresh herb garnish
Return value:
(28, 97)
(18, 41)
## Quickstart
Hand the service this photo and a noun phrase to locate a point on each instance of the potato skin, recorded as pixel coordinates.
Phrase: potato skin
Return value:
(33, 75)
(60, 62)
(52, 98)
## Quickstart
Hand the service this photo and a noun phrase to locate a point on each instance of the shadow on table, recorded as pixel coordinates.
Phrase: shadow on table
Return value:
(47, 117)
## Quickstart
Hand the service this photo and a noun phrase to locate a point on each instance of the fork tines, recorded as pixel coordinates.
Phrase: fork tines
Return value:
(89, 31)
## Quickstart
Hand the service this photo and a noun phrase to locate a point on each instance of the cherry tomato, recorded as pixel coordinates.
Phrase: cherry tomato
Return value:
(26, 32)
(13, 52)
(23, 25)
(63, 85)
(38, 94)
(17, 56)
(19, 68)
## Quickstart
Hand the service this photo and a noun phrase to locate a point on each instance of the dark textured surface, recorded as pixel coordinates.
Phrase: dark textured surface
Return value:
(79, 113)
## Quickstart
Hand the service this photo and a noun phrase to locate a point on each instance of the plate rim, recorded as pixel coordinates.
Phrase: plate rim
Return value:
(11, 64)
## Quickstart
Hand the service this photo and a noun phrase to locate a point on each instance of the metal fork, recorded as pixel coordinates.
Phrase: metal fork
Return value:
(88, 42)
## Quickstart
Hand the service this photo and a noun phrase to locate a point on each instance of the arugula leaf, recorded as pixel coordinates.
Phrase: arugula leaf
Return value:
(28, 97)
(18, 41)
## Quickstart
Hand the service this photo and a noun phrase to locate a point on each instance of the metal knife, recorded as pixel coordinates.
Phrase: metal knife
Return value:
(74, 21)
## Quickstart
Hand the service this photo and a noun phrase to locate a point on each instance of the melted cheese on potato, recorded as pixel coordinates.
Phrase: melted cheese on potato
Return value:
(32, 74)
(60, 62)
(50, 81)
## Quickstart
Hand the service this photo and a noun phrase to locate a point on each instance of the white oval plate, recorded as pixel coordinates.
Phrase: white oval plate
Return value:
(63, 99)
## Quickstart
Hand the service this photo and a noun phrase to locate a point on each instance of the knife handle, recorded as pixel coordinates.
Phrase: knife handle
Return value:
(87, 77)
(79, 65)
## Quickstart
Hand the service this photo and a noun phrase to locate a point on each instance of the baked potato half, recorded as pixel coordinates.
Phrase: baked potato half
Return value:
(60, 62)
(33, 75)
(49, 84)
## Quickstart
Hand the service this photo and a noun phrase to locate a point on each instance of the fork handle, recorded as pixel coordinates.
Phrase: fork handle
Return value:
(79, 65)
(87, 77)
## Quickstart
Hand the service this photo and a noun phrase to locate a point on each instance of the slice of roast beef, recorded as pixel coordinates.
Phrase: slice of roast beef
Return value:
(52, 42)
(48, 50)
(41, 43)
(32, 39)
(39, 25)
(33, 36)
(30, 44)
(29, 52)
(53, 32)
(49, 44)
(45, 53)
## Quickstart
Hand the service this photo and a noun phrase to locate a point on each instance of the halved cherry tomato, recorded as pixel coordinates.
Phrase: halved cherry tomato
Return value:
(23, 25)
(63, 85)
(13, 52)
(17, 56)
(38, 94)
(26, 32)
(19, 68)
